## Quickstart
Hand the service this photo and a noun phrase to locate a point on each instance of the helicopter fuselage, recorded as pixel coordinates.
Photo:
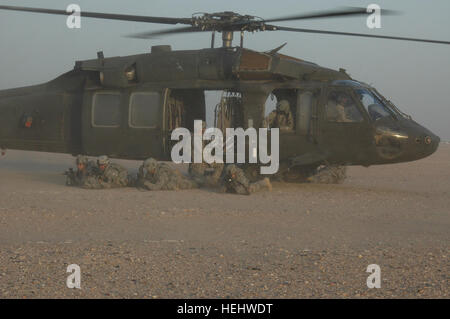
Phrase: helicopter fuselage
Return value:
(127, 107)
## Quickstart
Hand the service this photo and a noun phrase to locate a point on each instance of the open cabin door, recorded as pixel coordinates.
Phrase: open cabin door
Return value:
(124, 123)
(228, 112)
(182, 108)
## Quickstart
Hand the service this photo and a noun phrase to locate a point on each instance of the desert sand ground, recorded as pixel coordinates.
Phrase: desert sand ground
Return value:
(298, 241)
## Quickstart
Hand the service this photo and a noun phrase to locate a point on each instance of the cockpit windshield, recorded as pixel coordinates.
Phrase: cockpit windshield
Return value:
(376, 104)
(373, 104)
(392, 105)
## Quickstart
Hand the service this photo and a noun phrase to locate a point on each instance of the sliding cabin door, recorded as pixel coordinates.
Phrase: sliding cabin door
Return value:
(124, 124)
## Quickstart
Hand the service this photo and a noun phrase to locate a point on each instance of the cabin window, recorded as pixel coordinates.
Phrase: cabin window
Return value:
(106, 110)
(144, 109)
(341, 107)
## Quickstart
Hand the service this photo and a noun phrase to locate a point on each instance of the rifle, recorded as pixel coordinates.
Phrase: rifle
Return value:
(70, 177)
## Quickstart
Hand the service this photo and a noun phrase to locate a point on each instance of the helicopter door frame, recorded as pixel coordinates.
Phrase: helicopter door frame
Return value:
(288, 137)
(102, 122)
(145, 127)
(347, 142)
(182, 106)
(306, 121)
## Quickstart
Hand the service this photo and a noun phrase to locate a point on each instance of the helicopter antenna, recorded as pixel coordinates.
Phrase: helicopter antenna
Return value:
(277, 49)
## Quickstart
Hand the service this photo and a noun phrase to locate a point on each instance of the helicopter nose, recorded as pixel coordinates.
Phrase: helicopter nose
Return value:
(432, 143)
(427, 144)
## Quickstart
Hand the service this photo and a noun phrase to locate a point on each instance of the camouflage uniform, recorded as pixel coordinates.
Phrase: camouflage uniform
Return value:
(205, 174)
(236, 182)
(85, 168)
(337, 110)
(281, 117)
(332, 174)
(112, 176)
(156, 176)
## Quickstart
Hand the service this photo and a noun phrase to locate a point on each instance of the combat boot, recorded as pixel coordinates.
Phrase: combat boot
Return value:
(259, 185)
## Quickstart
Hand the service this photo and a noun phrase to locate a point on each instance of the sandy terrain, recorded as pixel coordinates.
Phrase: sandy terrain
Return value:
(299, 241)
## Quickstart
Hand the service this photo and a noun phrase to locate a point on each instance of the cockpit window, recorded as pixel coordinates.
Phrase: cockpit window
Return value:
(342, 108)
(392, 105)
(373, 104)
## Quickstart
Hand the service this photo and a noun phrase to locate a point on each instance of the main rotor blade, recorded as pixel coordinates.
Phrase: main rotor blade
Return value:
(344, 12)
(99, 15)
(278, 28)
(153, 34)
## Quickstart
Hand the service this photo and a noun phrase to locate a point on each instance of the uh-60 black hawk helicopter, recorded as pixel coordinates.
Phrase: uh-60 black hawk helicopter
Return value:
(127, 107)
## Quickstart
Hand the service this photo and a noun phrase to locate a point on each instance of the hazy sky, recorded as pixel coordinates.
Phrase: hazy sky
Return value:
(35, 48)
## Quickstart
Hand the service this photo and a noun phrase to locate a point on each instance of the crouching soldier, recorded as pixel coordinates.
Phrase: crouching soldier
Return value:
(85, 168)
(110, 175)
(156, 176)
(235, 181)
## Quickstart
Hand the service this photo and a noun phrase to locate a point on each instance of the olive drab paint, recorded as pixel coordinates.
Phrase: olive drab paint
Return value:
(129, 107)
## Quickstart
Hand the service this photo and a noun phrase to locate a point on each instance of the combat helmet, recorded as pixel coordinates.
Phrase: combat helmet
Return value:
(103, 160)
(284, 106)
(343, 98)
(150, 164)
(81, 159)
(231, 169)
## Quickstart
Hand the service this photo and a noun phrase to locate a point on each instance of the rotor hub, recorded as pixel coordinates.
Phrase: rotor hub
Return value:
(227, 21)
